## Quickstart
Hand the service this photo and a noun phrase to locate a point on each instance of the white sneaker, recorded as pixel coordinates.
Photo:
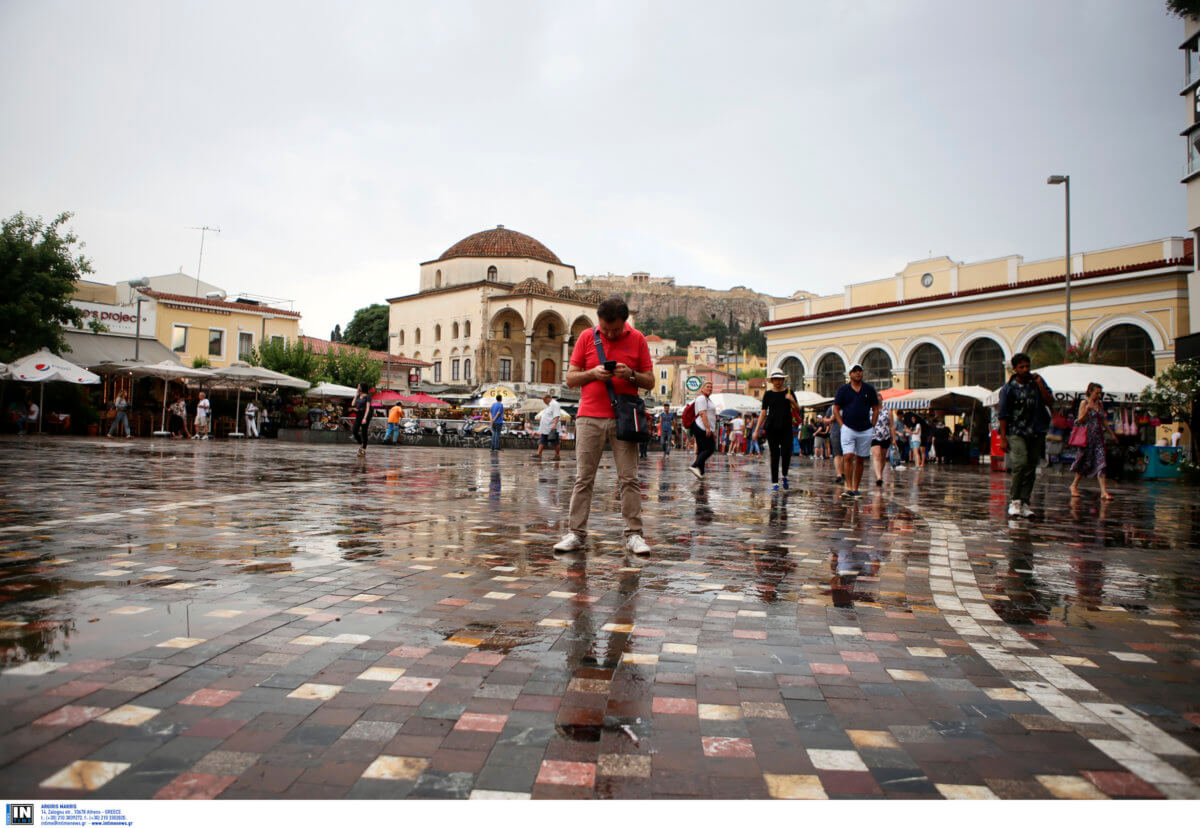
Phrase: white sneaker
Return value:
(697, 472)
(569, 543)
(1026, 511)
(1014, 508)
(637, 545)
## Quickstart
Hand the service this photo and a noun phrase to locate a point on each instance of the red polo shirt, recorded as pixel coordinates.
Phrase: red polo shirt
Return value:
(630, 348)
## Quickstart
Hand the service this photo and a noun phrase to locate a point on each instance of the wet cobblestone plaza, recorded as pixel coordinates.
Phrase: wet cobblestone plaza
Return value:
(222, 620)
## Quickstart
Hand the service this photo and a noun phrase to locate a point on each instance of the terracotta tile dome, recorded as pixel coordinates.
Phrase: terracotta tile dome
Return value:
(534, 286)
(501, 243)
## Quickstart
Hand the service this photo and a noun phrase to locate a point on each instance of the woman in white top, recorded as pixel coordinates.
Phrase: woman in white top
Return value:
(703, 429)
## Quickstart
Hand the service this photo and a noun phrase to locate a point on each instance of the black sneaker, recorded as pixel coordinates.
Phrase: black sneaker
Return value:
(879, 482)
(840, 479)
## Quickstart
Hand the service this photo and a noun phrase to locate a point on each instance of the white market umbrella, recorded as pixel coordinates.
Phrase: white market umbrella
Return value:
(242, 375)
(486, 402)
(956, 396)
(811, 399)
(1071, 380)
(740, 402)
(42, 367)
(330, 389)
(533, 405)
(167, 370)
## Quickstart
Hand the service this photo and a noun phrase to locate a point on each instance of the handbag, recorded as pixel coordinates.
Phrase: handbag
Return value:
(629, 409)
(1078, 438)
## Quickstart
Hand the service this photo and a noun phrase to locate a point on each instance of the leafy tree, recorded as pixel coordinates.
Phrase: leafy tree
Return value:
(201, 362)
(349, 366)
(1049, 351)
(1184, 8)
(293, 358)
(752, 373)
(754, 341)
(368, 328)
(336, 334)
(38, 272)
(1175, 391)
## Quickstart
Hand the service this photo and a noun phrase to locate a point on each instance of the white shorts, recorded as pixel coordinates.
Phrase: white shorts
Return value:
(201, 419)
(857, 442)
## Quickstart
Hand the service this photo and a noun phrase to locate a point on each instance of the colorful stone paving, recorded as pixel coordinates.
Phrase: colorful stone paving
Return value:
(220, 620)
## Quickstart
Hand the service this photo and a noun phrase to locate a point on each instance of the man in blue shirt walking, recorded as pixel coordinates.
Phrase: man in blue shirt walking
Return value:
(856, 408)
(497, 414)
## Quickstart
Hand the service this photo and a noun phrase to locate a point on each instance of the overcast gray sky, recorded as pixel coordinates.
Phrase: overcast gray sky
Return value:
(781, 146)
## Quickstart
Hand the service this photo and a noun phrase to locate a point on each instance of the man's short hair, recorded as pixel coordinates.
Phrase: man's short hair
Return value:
(498, 397)
(547, 395)
(1020, 357)
(612, 309)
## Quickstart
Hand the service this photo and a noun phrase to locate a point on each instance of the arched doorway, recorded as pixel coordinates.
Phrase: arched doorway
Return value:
(794, 369)
(549, 372)
(831, 375)
(1127, 345)
(1047, 348)
(983, 364)
(926, 367)
(877, 368)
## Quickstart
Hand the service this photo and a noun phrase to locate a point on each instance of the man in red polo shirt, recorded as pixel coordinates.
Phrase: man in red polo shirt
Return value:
(595, 423)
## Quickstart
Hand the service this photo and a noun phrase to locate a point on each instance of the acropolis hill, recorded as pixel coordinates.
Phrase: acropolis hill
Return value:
(658, 297)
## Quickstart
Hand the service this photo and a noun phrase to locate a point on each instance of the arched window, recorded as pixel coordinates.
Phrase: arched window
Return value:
(467, 369)
(401, 338)
(437, 333)
(437, 279)
(550, 278)
(1047, 348)
(794, 369)
(454, 331)
(1127, 345)
(983, 364)
(926, 368)
(467, 330)
(877, 368)
(417, 336)
(492, 273)
(831, 375)
(508, 330)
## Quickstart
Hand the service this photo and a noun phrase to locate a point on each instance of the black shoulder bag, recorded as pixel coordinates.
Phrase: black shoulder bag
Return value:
(629, 409)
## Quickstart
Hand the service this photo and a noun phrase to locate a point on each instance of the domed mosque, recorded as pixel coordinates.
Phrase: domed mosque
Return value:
(497, 308)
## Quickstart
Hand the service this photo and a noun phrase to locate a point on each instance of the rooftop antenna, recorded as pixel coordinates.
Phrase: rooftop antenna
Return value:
(202, 230)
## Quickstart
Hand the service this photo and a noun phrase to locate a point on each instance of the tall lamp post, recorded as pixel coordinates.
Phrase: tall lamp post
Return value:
(137, 334)
(1066, 179)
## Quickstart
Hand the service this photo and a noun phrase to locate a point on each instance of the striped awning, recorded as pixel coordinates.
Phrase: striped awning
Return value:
(960, 397)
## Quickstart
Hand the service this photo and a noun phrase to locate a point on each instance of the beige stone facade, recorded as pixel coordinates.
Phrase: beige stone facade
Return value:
(497, 307)
(939, 322)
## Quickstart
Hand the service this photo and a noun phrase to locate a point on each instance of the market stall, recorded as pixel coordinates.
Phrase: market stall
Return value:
(1134, 425)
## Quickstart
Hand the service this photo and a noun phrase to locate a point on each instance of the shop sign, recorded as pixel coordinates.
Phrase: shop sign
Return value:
(693, 383)
(118, 319)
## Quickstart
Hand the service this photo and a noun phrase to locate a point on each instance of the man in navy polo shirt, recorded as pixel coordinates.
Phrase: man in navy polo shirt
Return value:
(595, 422)
(856, 407)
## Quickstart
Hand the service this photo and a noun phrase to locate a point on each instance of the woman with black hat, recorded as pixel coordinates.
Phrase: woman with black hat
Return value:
(776, 420)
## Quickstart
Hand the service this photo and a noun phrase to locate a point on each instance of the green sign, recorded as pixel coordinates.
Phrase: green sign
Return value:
(693, 383)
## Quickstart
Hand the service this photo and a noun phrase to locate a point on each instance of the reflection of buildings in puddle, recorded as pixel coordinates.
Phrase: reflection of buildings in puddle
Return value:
(771, 568)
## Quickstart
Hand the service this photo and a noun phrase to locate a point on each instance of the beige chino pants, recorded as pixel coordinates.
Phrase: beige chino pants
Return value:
(591, 434)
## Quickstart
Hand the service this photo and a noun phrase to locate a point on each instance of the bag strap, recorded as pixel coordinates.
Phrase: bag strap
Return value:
(612, 392)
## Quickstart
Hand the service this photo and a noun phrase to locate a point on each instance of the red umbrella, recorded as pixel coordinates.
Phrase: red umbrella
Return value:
(380, 397)
(423, 400)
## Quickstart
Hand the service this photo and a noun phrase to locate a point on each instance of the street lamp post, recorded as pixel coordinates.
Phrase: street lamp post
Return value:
(137, 333)
(1066, 180)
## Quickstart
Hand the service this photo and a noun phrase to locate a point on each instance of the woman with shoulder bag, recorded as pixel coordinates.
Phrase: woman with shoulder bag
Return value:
(1093, 422)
